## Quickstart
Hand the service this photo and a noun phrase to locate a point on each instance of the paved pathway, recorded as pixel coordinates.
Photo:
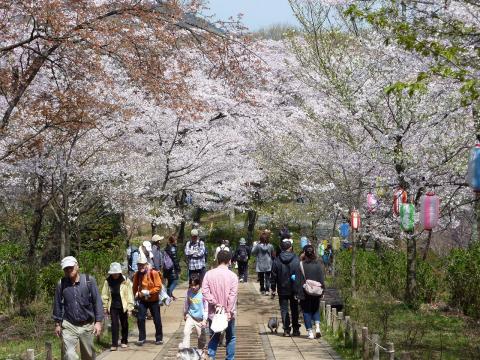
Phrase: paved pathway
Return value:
(253, 341)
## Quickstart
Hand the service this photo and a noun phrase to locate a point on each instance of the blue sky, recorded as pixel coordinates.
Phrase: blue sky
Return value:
(256, 13)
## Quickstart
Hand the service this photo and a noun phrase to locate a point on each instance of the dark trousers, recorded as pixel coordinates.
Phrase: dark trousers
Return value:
(264, 281)
(172, 284)
(230, 336)
(243, 270)
(157, 320)
(284, 302)
(119, 317)
(199, 272)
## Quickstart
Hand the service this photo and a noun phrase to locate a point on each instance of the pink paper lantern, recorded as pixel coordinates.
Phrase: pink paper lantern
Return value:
(429, 210)
(371, 202)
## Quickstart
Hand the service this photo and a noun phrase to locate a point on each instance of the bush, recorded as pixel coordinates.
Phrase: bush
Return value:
(48, 279)
(464, 279)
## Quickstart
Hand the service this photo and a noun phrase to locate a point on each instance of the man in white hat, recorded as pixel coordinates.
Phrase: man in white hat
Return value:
(242, 255)
(77, 311)
(157, 253)
(195, 253)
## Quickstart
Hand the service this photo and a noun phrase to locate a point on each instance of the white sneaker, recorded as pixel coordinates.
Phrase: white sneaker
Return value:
(318, 332)
(241, 280)
(310, 334)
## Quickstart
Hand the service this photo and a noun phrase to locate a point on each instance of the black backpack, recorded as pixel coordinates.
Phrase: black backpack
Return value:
(242, 254)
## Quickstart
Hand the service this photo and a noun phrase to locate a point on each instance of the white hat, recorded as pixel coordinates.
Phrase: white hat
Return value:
(194, 232)
(115, 268)
(142, 259)
(157, 237)
(68, 261)
(148, 245)
(242, 241)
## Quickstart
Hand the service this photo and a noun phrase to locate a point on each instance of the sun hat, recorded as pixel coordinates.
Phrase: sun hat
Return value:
(142, 259)
(157, 237)
(68, 261)
(242, 241)
(194, 232)
(148, 245)
(115, 268)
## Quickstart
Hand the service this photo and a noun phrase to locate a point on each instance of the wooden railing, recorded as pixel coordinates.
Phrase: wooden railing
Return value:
(357, 337)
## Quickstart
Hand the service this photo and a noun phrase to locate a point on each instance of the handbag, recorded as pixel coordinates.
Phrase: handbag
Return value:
(311, 287)
(219, 321)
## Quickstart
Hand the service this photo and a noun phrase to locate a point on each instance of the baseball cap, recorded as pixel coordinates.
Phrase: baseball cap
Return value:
(68, 261)
(194, 232)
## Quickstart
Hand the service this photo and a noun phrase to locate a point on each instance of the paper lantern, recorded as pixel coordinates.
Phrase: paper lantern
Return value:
(407, 217)
(371, 202)
(336, 243)
(355, 220)
(344, 230)
(429, 210)
(399, 197)
(474, 169)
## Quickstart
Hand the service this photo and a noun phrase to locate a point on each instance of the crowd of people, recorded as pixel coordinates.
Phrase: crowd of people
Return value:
(211, 299)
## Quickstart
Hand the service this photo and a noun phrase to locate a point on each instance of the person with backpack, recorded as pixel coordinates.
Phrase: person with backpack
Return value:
(311, 270)
(147, 284)
(132, 257)
(284, 270)
(77, 311)
(195, 253)
(327, 258)
(157, 253)
(117, 296)
(146, 250)
(171, 265)
(225, 245)
(264, 253)
(241, 256)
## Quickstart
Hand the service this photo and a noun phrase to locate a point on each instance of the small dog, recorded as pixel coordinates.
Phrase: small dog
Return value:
(191, 354)
(273, 324)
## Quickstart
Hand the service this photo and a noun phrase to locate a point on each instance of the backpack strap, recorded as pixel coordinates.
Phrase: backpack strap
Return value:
(301, 269)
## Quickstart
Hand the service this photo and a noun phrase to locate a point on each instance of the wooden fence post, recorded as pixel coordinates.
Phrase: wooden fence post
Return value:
(329, 316)
(376, 346)
(365, 347)
(346, 333)
(48, 351)
(30, 354)
(323, 308)
(334, 321)
(341, 325)
(391, 351)
(354, 337)
(406, 356)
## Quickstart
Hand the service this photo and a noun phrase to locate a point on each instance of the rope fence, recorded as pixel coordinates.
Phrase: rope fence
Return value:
(354, 335)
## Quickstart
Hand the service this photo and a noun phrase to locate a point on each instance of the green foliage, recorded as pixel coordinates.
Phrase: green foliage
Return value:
(464, 279)
(48, 278)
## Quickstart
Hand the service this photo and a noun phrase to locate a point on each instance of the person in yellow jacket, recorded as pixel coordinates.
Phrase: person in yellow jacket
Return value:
(117, 297)
(147, 284)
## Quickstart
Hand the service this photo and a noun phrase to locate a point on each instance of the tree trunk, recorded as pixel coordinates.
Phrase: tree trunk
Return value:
(197, 214)
(252, 220)
(410, 295)
(154, 227)
(37, 221)
(353, 268)
(181, 233)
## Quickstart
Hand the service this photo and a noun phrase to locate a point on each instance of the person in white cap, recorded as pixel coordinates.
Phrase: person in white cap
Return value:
(157, 253)
(77, 311)
(146, 250)
(242, 255)
(195, 253)
(147, 285)
(117, 296)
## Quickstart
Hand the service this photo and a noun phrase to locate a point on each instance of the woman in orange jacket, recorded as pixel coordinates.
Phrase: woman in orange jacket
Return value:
(147, 284)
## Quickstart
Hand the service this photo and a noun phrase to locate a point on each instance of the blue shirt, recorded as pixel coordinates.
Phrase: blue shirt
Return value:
(195, 304)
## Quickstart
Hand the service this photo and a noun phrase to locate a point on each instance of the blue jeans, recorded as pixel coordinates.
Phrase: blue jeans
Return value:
(231, 339)
(157, 319)
(172, 284)
(309, 317)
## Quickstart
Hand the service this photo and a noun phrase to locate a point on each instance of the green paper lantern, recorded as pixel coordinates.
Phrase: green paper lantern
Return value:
(407, 217)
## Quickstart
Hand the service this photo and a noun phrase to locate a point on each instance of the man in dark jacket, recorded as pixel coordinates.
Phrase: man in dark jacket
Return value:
(284, 268)
(77, 311)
